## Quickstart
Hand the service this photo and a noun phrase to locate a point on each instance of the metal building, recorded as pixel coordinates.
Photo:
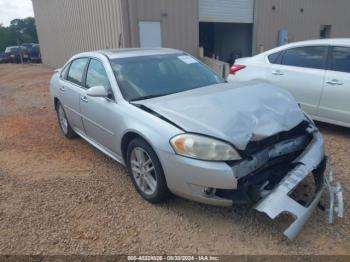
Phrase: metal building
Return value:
(224, 28)
(66, 27)
(302, 19)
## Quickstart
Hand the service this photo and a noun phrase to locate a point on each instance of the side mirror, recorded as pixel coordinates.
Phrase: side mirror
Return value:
(97, 91)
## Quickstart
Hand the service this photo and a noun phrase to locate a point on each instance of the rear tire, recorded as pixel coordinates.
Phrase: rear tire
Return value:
(146, 171)
(65, 127)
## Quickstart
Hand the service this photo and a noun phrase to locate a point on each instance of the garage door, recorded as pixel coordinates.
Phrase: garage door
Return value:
(226, 11)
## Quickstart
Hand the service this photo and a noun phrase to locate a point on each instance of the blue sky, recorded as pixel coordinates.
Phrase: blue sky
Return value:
(11, 9)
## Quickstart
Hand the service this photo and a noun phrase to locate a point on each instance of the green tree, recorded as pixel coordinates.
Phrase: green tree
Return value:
(22, 29)
(5, 37)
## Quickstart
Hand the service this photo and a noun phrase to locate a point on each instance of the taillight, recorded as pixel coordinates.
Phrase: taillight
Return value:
(236, 68)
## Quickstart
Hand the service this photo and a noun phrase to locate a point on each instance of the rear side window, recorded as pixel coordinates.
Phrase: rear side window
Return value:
(340, 59)
(96, 75)
(275, 58)
(307, 56)
(76, 71)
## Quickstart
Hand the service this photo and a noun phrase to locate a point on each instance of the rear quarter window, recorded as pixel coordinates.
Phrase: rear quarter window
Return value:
(64, 71)
(76, 71)
(275, 58)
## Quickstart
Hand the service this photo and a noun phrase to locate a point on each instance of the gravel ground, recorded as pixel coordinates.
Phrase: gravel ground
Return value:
(60, 196)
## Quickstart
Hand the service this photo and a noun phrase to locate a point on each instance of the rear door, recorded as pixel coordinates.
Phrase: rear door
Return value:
(71, 87)
(301, 70)
(334, 104)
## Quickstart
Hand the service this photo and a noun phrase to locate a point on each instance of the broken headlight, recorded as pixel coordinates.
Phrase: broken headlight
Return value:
(203, 148)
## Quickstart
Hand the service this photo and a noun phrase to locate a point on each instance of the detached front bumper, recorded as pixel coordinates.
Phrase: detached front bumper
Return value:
(279, 201)
(216, 183)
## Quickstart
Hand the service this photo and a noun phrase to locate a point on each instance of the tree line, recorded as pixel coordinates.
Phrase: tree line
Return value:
(19, 30)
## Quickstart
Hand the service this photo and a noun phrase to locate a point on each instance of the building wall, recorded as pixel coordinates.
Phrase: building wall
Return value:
(179, 22)
(304, 25)
(66, 27)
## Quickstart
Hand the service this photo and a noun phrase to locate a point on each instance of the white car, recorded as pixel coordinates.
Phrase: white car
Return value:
(316, 72)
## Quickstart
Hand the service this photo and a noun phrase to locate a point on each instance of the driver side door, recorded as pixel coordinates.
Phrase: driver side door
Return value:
(98, 113)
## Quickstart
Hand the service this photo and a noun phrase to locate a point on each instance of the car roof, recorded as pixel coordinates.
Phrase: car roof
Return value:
(11, 47)
(134, 52)
(328, 41)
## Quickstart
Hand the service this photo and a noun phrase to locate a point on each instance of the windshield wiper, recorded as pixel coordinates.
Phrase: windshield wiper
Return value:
(146, 97)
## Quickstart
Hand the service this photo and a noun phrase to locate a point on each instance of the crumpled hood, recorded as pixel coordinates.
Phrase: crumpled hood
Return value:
(233, 112)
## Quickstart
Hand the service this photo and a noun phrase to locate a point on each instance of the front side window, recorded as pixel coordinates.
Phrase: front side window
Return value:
(307, 56)
(96, 75)
(340, 59)
(158, 75)
(76, 71)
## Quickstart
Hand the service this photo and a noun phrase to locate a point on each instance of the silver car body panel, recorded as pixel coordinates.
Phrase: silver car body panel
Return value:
(336, 200)
(258, 160)
(219, 111)
(225, 111)
(278, 201)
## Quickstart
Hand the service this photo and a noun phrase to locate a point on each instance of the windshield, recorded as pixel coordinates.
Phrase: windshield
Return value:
(145, 77)
(14, 49)
(10, 49)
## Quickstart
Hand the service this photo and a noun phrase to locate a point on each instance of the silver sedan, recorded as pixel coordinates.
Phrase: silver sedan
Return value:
(178, 127)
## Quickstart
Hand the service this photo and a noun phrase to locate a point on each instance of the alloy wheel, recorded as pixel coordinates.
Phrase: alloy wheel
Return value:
(63, 120)
(143, 171)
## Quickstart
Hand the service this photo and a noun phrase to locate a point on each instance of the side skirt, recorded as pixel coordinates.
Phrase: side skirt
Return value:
(101, 148)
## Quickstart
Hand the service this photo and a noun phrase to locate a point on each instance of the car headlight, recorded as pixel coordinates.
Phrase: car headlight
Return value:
(203, 148)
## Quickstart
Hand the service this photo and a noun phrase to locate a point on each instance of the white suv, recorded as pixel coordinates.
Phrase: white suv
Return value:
(316, 72)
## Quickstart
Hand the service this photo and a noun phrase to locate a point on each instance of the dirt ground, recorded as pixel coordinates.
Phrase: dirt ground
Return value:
(60, 196)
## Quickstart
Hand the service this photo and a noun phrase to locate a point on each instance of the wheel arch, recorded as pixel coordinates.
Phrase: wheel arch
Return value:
(127, 138)
(56, 101)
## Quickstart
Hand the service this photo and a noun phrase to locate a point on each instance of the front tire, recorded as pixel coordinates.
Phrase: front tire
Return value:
(146, 171)
(65, 127)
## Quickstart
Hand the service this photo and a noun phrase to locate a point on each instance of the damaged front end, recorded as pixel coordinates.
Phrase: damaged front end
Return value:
(280, 150)
(285, 173)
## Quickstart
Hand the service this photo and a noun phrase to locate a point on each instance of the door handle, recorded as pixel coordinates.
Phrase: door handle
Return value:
(84, 99)
(277, 73)
(334, 82)
(62, 88)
